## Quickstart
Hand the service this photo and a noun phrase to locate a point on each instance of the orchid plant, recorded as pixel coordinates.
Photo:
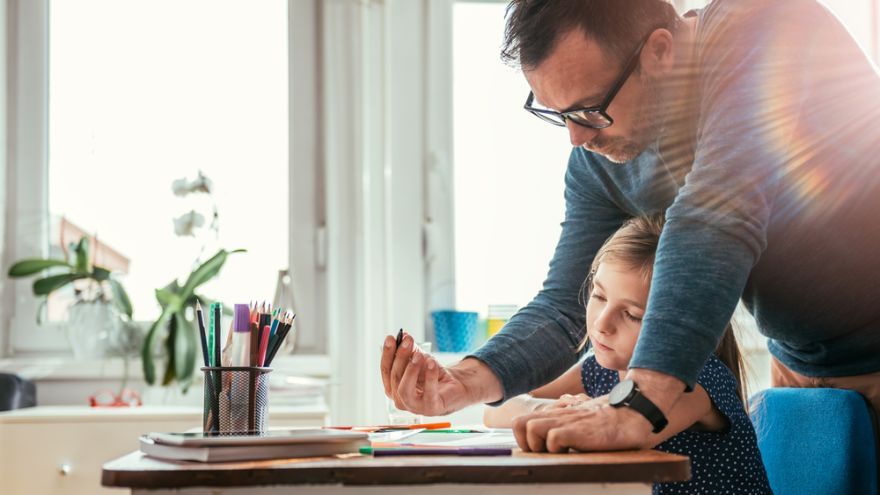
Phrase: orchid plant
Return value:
(175, 326)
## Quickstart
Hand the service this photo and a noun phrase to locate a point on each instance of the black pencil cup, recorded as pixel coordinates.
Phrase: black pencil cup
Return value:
(236, 399)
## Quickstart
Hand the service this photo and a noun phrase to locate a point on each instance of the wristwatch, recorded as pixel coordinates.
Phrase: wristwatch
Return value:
(627, 393)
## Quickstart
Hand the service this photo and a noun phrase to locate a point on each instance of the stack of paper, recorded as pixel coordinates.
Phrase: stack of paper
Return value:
(489, 437)
(271, 444)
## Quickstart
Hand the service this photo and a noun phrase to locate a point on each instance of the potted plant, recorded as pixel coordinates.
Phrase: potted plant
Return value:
(101, 312)
(177, 328)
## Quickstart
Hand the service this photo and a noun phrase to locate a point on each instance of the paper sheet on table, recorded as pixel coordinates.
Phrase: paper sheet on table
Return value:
(494, 437)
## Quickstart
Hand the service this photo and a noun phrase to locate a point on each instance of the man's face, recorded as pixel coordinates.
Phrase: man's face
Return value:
(577, 74)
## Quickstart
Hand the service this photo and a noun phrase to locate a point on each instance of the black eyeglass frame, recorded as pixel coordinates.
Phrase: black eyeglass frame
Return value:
(601, 109)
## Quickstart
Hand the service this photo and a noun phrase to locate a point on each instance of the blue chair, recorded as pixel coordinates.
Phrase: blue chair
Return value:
(817, 440)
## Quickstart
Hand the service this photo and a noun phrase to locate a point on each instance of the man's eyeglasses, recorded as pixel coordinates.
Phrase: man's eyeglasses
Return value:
(595, 117)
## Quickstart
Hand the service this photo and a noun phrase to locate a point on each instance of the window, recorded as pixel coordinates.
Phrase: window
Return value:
(113, 100)
(142, 93)
(509, 170)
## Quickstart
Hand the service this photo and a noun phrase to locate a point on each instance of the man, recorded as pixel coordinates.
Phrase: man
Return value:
(753, 125)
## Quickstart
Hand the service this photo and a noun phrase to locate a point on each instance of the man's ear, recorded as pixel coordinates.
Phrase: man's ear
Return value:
(658, 56)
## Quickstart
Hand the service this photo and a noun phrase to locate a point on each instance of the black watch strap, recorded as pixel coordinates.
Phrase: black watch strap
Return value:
(651, 412)
(627, 393)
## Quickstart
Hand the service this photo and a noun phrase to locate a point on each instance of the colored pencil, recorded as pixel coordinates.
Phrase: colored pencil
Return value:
(202, 335)
(218, 316)
(264, 345)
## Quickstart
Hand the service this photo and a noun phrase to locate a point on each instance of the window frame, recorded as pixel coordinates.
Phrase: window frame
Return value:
(28, 220)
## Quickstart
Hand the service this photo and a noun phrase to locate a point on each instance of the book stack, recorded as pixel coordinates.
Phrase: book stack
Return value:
(271, 444)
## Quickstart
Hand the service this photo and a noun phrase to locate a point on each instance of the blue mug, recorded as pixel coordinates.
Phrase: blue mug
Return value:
(455, 331)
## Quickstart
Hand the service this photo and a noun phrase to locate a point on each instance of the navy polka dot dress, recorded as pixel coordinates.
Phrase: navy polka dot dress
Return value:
(725, 461)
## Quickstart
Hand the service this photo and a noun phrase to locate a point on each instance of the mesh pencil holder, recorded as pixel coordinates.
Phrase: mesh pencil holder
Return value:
(236, 399)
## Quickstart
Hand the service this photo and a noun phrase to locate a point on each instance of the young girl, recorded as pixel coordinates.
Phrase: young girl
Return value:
(709, 425)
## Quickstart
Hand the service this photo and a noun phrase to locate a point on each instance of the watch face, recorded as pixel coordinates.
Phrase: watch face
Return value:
(621, 392)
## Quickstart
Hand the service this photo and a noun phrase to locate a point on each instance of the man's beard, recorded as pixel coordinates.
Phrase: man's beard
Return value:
(646, 122)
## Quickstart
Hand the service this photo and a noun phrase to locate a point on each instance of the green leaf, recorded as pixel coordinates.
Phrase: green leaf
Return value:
(31, 266)
(170, 342)
(44, 286)
(168, 299)
(149, 342)
(100, 274)
(82, 255)
(206, 271)
(184, 350)
(120, 297)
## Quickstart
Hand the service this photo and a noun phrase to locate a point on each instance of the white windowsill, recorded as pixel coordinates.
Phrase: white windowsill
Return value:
(66, 368)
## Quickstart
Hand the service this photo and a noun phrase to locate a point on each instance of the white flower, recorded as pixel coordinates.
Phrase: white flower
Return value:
(180, 187)
(187, 223)
(201, 184)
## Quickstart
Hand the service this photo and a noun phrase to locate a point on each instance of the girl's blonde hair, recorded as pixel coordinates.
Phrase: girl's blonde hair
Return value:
(634, 246)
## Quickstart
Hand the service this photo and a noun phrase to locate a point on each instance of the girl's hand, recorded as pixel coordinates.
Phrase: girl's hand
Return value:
(568, 400)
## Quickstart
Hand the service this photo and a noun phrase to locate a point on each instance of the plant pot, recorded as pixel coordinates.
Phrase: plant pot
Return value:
(93, 327)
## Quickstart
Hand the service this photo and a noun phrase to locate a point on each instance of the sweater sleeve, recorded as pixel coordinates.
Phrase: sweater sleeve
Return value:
(755, 69)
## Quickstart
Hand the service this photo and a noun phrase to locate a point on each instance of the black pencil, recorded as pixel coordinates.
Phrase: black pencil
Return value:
(282, 332)
(399, 339)
(202, 335)
(218, 315)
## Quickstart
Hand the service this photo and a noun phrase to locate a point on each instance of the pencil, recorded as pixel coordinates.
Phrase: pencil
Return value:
(202, 336)
(399, 339)
(264, 346)
(283, 329)
(218, 315)
(254, 348)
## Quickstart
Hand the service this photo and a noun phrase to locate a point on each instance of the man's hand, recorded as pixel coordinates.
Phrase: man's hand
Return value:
(594, 425)
(418, 383)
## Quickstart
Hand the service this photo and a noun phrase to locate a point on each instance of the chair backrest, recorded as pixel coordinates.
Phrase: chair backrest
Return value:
(817, 440)
(16, 392)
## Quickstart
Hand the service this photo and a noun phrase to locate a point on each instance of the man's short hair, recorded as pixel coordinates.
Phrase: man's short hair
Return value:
(534, 26)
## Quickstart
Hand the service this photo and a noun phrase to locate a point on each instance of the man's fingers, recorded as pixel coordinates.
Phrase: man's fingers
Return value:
(519, 431)
(536, 433)
(388, 349)
(532, 430)
(432, 387)
(401, 361)
(407, 389)
(559, 439)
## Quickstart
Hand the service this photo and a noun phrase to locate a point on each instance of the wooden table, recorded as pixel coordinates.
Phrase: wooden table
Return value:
(608, 472)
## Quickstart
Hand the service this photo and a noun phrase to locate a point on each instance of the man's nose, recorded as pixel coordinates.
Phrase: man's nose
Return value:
(579, 134)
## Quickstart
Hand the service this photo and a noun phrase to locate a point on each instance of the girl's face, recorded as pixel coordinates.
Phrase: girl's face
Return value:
(614, 313)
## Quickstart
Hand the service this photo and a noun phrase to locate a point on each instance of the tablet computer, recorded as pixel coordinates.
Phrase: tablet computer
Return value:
(268, 437)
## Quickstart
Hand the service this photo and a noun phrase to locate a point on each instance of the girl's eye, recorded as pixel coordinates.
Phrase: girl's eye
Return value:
(630, 317)
(597, 297)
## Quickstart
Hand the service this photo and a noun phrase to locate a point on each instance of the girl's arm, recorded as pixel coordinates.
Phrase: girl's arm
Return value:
(540, 398)
(503, 415)
(567, 383)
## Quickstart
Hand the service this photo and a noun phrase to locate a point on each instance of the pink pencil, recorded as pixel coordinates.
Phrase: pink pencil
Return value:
(264, 344)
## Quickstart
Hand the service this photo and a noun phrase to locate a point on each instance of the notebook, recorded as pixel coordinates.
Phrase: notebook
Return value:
(252, 452)
(268, 437)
